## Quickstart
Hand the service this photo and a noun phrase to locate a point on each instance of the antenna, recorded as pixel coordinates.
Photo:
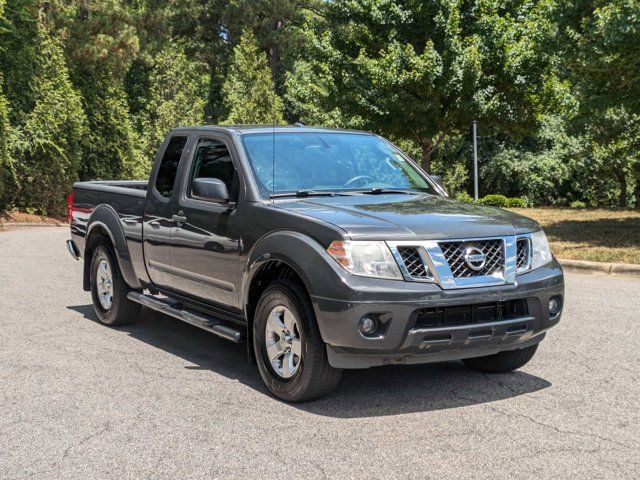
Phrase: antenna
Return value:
(273, 158)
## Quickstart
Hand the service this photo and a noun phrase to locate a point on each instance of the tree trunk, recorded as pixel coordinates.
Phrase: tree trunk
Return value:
(427, 151)
(274, 51)
(622, 181)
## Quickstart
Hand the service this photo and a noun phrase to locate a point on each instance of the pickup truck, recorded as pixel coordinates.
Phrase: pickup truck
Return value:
(321, 249)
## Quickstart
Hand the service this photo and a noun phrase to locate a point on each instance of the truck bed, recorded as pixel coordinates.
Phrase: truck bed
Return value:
(137, 188)
(126, 197)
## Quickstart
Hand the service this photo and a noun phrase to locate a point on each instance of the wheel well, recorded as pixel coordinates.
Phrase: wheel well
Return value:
(97, 236)
(266, 274)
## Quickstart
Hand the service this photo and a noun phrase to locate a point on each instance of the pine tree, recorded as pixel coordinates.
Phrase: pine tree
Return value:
(249, 89)
(103, 43)
(177, 95)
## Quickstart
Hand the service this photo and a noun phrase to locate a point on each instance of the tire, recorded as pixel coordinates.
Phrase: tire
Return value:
(502, 362)
(114, 309)
(311, 377)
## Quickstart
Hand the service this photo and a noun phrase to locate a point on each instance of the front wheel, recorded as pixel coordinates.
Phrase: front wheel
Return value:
(502, 362)
(290, 353)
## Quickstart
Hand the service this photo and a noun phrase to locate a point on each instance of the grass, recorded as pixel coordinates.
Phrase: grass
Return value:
(597, 235)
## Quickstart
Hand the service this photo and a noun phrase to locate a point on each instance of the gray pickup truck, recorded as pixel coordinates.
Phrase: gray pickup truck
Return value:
(321, 249)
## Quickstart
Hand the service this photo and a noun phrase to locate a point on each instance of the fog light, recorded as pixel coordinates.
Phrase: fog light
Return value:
(554, 305)
(368, 325)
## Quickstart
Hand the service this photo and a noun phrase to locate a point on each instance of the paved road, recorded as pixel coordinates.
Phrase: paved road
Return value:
(161, 399)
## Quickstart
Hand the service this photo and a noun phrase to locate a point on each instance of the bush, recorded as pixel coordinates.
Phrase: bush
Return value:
(464, 197)
(516, 202)
(494, 200)
(578, 204)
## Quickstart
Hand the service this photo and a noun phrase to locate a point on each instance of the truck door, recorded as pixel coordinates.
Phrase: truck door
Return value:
(161, 200)
(205, 241)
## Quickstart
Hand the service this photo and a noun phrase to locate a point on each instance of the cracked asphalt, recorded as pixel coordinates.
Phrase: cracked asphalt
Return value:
(161, 399)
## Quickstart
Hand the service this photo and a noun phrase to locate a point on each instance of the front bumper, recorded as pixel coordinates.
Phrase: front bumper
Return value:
(403, 340)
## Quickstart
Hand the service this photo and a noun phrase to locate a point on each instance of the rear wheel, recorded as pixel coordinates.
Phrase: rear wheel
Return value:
(290, 353)
(502, 362)
(109, 290)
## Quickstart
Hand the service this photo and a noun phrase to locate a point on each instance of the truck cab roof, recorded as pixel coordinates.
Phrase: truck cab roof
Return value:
(245, 129)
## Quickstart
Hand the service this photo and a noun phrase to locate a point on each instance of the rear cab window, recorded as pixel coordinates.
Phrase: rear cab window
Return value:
(168, 170)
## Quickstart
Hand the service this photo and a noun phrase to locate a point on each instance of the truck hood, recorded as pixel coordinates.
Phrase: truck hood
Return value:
(399, 216)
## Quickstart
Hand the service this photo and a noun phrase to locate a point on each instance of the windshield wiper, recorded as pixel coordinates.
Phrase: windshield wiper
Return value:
(377, 191)
(306, 193)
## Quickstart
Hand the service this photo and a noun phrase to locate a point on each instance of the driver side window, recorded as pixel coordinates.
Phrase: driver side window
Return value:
(213, 160)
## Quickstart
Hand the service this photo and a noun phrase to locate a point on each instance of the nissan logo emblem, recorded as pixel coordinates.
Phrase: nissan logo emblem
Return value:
(474, 258)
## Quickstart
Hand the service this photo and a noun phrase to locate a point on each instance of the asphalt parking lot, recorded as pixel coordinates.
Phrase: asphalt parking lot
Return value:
(160, 399)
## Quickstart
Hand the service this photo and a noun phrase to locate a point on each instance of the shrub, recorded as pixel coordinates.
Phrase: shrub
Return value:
(494, 200)
(516, 202)
(578, 204)
(464, 197)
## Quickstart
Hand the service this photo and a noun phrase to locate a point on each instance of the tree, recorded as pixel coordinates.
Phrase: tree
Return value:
(600, 45)
(4, 133)
(278, 27)
(45, 146)
(103, 42)
(601, 42)
(425, 70)
(177, 95)
(249, 90)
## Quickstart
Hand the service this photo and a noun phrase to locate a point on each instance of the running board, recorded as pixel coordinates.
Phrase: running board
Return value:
(199, 320)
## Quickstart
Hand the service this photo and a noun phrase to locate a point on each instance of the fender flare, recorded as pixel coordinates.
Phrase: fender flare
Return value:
(106, 219)
(293, 248)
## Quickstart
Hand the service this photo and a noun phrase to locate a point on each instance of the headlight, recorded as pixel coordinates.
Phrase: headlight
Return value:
(541, 254)
(370, 259)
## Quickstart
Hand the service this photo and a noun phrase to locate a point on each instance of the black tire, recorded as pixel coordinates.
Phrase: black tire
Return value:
(122, 310)
(502, 362)
(314, 377)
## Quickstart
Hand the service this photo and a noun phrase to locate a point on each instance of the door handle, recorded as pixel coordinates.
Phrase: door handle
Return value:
(179, 218)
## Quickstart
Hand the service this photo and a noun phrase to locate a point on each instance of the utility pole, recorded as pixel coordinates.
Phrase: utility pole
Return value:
(475, 162)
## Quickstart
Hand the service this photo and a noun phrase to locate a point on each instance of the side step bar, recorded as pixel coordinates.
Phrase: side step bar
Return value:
(200, 320)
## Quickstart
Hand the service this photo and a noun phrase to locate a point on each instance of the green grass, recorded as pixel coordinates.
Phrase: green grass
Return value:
(590, 234)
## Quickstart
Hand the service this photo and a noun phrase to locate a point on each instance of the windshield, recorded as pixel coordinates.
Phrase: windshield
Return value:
(329, 162)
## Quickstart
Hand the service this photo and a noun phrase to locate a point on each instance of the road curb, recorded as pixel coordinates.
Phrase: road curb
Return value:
(21, 225)
(601, 267)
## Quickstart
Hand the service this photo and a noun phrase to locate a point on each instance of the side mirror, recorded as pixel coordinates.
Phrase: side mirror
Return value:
(212, 189)
(438, 181)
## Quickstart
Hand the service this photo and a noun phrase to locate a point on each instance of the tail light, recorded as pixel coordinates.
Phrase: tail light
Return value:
(70, 198)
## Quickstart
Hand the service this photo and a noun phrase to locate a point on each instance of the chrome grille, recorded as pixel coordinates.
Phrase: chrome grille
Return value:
(454, 252)
(411, 258)
(523, 254)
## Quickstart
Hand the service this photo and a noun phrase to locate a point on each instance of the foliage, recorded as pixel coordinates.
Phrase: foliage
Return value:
(46, 146)
(89, 89)
(517, 202)
(602, 42)
(464, 197)
(494, 200)
(249, 89)
(537, 168)
(177, 95)
(422, 71)
(111, 145)
(503, 202)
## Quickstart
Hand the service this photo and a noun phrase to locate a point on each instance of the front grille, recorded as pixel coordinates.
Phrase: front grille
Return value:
(455, 252)
(411, 258)
(523, 254)
(449, 316)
